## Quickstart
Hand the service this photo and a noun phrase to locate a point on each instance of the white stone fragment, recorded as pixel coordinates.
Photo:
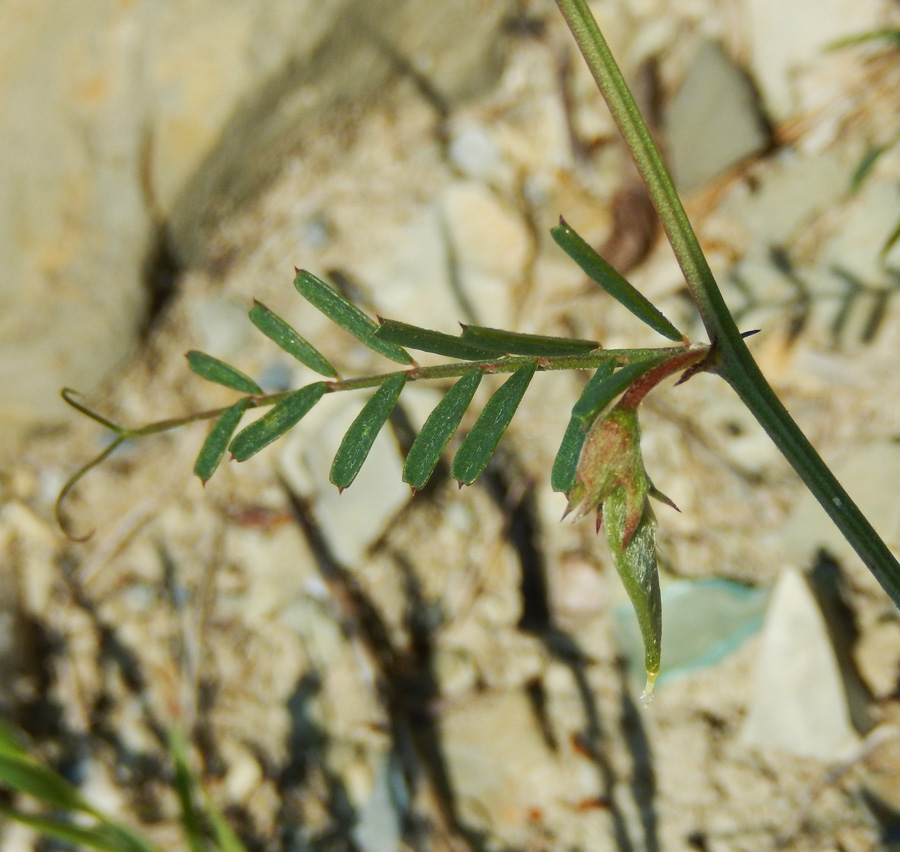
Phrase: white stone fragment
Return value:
(474, 152)
(378, 828)
(799, 703)
(717, 94)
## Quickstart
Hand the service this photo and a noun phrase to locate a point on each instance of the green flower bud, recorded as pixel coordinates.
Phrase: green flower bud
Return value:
(611, 480)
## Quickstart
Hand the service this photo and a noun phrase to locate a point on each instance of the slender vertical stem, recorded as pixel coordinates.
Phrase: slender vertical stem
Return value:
(732, 360)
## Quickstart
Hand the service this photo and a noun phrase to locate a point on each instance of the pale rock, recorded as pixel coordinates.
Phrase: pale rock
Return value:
(713, 121)
(410, 275)
(491, 245)
(866, 224)
(499, 765)
(455, 672)
(281, 565)
(797, 188)
(130, 129)
(379, 828)
(799, 702)
(869, 473)
(740, 436)
(787, 39)
(224, 327)
(877, 656)
(244, 774)
(577, 588)
(474, 152)
(353, 520)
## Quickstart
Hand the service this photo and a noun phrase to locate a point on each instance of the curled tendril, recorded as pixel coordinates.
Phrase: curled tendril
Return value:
(122, 435)
(67, 395)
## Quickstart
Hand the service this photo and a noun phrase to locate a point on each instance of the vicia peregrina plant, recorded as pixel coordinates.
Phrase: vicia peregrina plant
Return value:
(599, 464)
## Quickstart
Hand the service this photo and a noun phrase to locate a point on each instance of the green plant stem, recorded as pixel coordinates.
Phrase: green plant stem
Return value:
(583, 361)
(732, 359)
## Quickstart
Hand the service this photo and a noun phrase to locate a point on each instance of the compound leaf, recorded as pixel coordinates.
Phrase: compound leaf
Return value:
(357, 443)
(562, 476)
(478, 447)
(217, 441)
(501, 342)
(285, 414)
(221, 373)
(438, 429)
(346, 315)
(276, 329)
(437, 342)
(597, 269)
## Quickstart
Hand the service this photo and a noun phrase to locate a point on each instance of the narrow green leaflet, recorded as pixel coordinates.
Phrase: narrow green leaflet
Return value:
(888, 34)
(285, 414)
(501, 342)
(866, 164)
(438, 429)
(597, 269)
(357, 443)
(426, 340)
(597, 396)
(478, 447)
(221, 373)
(276, 329)
(217, 441)
(638, 570)
(890, 242)
(563, 474)
(346, 315)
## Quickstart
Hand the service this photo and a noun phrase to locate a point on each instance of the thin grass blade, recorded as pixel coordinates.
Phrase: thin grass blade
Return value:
(185, 784)
(214, 370)
(597, 269)
(443, 421)
(357, 443)
(226, 838)
(597, 396)
(437, 342)
(501, 342)
(26, 775)
(478, 447)
(277, 330)
(101, 837)
(562, 477)
(217, 441)
(285, 414)
(346, 315)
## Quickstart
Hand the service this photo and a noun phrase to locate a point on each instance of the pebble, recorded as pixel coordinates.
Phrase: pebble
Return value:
(799, 703)
(715, 94)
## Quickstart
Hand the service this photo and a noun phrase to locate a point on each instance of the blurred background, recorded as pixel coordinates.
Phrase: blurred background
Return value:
(375, 672)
